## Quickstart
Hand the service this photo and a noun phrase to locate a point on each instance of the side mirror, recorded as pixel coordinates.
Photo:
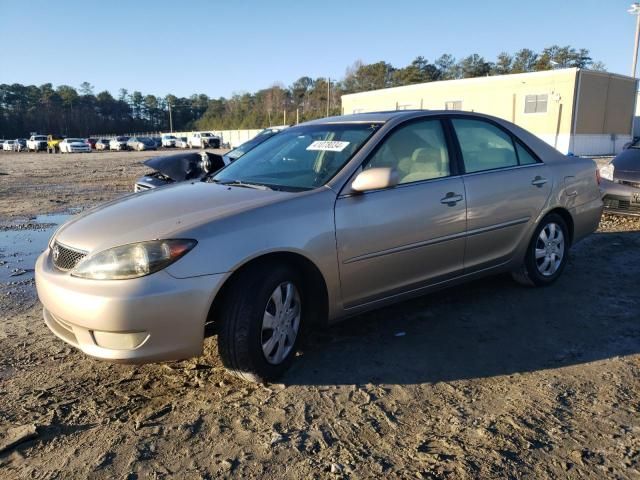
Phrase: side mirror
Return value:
(375, 179)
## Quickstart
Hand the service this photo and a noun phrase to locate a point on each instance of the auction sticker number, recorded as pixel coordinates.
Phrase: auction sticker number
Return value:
(328, 146)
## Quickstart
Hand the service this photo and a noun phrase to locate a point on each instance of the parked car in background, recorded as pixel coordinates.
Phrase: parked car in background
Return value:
(168, 140)
(53, 142)
(74, 145)
(20, 145)
(178, 168)
(621, 182)
(7, 145)
(92, 142)
(102, 144)
(251, 144)
(118, 143)
(181, 142)
(203, 140)
(37, 143)
(189, 166)
(326, 220)
(141, 143)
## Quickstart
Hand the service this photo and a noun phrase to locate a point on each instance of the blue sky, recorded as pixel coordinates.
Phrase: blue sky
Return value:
(219, 48)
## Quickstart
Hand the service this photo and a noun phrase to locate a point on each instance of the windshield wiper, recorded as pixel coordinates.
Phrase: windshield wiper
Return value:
(240, 183)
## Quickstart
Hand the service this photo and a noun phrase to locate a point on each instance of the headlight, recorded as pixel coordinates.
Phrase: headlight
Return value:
(607, 171)
(133, 260)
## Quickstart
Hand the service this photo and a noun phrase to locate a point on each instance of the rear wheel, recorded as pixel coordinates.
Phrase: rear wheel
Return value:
(261, 322)
(547, 253)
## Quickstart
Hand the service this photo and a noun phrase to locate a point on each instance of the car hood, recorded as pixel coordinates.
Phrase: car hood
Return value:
(179, 167)
(161, 213)
(628, 162)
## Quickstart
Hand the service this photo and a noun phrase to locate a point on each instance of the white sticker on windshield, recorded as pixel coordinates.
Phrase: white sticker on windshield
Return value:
(328, 146)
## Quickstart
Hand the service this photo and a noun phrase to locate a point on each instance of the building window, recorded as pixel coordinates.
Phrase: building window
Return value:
(453, 105)
(535, 103)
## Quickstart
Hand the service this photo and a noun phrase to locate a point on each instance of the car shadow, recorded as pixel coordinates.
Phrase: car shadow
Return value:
(490, 327)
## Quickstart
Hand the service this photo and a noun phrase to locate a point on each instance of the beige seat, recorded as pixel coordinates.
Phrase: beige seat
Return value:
(425, 163)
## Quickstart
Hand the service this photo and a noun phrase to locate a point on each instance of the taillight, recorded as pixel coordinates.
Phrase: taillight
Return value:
(598, 175)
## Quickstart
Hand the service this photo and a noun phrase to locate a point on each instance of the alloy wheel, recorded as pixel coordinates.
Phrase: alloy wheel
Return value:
(281, 323)
(549, 249)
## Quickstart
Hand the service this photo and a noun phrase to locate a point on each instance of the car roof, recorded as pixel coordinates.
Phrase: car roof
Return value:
(385, 116)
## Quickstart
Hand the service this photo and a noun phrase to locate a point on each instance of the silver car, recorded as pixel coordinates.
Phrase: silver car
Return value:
(326, 220)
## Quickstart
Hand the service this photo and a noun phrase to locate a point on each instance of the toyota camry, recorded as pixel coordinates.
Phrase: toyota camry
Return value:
(325, 220)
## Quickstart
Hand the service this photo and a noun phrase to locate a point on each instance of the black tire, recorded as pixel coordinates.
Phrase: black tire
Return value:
(240, 331)
(528, 273)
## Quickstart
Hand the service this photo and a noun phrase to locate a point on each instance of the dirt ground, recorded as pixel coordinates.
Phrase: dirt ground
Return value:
(486, 380)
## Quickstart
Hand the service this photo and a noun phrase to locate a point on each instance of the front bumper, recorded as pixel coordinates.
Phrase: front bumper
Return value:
(620, 198)
(152, 318)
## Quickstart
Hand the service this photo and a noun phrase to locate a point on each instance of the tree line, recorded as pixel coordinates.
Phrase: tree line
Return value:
(80, 112)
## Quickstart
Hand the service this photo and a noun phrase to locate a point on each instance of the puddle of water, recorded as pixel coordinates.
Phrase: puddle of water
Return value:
(20, 247)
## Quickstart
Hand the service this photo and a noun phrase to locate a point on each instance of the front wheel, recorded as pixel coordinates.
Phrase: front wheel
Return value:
(261, 322)
(547, 253)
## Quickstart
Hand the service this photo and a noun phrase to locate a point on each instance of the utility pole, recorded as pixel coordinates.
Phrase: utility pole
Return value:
(328, 94)
(170, 119)
(635, 10)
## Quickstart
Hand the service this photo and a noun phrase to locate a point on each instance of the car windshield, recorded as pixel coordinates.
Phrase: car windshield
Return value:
(207, 135)
(144, 139)
(122, 139)
(72, 140)
(299, 158)
(41, 137)
(169, 137)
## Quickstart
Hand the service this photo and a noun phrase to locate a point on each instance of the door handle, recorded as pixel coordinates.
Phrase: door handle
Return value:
(539, 181)
(451, 199)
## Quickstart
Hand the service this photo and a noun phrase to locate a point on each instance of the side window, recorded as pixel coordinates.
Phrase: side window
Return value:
(417, 151)
(524, 156)
(484, 146)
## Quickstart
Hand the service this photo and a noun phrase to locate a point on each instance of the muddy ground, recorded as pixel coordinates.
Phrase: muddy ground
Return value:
(487, 380)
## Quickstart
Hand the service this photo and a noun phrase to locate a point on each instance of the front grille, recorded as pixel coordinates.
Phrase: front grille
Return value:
(631, 184)
(621, 205)
(65, 258)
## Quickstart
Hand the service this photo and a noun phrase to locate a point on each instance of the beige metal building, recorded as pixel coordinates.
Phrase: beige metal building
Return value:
(575, 110)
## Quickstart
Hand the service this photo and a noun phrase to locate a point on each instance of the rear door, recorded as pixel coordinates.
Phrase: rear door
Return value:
(506, 188)
(394, 240)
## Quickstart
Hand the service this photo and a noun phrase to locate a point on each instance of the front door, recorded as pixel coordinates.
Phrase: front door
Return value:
(398, 239)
